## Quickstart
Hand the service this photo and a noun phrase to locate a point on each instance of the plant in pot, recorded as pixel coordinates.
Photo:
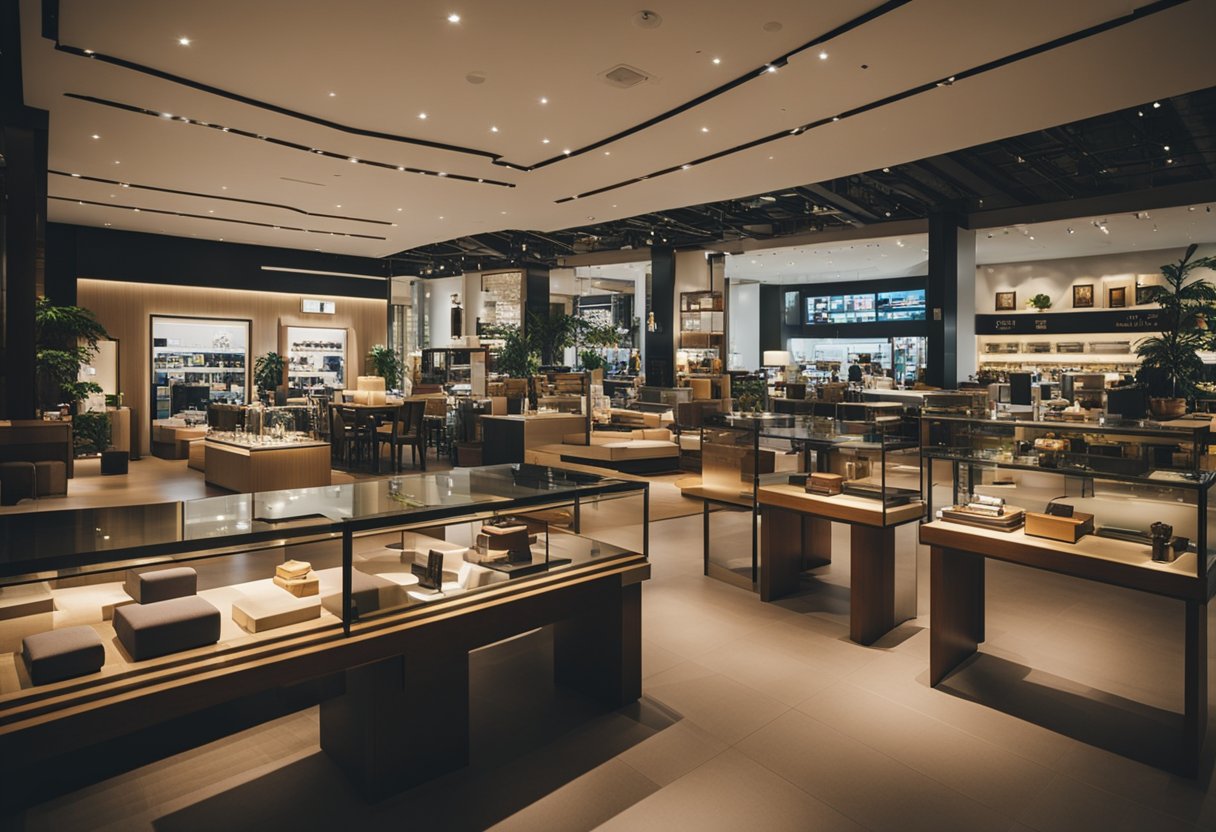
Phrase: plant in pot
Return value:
(591, 338)
(1039, 301)
(1169, 366)
(268, 373)
(386, 363)
(516, 358)
(65, 339)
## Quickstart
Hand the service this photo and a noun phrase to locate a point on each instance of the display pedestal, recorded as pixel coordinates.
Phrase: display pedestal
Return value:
(796, 535)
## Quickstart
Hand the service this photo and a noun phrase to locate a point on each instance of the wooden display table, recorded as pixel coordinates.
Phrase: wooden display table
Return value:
(956, 591)
(507, 438)
(796, 533)
(250, 468)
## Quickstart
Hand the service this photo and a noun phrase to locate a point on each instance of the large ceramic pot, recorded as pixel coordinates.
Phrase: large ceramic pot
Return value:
(1163, 409)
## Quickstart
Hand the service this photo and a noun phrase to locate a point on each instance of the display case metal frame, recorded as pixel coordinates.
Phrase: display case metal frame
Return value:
(958, 552)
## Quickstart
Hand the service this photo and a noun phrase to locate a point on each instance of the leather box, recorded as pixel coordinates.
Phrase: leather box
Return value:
(1066, 529)
(300, 587)
(824, 483)
(514, 539)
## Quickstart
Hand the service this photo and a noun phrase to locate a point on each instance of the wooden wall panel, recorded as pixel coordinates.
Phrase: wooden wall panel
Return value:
(125, 309)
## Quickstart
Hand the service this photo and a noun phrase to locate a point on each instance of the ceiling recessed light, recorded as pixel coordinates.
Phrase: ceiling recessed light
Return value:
(544, 141)
(717, 60)
(339, 205)
(117, 162)
(166, 115)
(333, 95)
(77, 175)
(399, 209)
(184, 41)
(96, 136)
(422, 116)
(353, 160)
(544, 100)
(566, 151)
(223, 187)
(210, 210)
(493, 129)
(685, 167)
(704, 129)
(886, 170)
(607, 152)
(443, 173)
(88, 51)
(770, 68)
(453, 18)
(441, 218)
(1156, 105)
(823, 56)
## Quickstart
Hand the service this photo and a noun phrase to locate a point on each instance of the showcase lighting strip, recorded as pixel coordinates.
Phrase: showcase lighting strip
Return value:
(51, 32)
(143, 210)
(1030, 52)
(247, 134)
(83, 178)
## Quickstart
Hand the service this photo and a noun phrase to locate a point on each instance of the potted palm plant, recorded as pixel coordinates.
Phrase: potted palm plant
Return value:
(386, 363)
(1169, 367)
(268, 373)
(66, 339)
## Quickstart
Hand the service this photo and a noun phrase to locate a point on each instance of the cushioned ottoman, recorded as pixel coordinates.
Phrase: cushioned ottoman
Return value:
(62, 654)
(267, 612)
(150, 630)
(50, 478)
(368, 592)
(161, 585)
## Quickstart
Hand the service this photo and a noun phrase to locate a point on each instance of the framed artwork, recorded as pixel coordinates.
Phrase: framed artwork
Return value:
(1006, 301)
(1116, 298)
(1083, 296)
(1144, 294)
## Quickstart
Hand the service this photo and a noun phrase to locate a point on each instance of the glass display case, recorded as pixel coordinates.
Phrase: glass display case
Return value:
(1131, 492)
(248, 570)
(702, 325)
(461, 371)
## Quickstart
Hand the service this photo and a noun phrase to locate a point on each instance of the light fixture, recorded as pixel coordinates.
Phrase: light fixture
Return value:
(422, 116)
(566, 151)
(166, 115)
(1156, 105)
(77, 176)
(1032, 236)
(717, 61)
(96, 136)
(453, 18)
(544, 100)
(770, 69)
(823, 56)
(703, 130)
(399, 210)
(333, 95)
(1070, 231)
(544, 141)
(493, 129)
(184, 41)
(1164, 147)
(353, 160)
(607, 152)
(685, 167)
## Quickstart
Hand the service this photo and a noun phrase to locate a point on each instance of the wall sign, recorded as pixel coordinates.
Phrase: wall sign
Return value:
(318, 307)
(1139, 320)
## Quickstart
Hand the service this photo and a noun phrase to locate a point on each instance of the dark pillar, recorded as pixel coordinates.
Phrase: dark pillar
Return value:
(772, 337)
(661, 304)
(23, 146)
(950, 298)
(536, 293)
(60, 275)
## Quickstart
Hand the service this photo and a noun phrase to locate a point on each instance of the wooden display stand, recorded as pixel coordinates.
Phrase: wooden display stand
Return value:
(796, 534)
(956, 591)
(270, 468)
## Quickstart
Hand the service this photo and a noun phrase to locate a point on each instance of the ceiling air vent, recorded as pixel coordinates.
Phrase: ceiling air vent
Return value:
(625, 76)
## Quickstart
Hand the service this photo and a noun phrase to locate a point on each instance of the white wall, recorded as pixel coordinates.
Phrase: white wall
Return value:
(1055, 278)
(744, 349)
(439, 307)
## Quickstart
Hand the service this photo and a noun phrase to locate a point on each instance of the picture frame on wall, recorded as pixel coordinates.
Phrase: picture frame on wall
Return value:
(1116, 298)
(1145, 293)
(1006, 301)
(1083, 296)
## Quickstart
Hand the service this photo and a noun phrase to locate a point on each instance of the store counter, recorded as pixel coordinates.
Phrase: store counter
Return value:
(255, 463)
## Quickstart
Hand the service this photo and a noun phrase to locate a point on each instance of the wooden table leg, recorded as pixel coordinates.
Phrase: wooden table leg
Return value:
(956, 609)
(781, 542)
(816, 542)
(872, 590)
(401, 722)
(1195, 693)
(599, 653)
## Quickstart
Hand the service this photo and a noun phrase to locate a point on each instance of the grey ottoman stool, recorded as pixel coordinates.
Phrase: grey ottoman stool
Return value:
(150, 630)
(62, 654)
(161, 584)
(50, 478)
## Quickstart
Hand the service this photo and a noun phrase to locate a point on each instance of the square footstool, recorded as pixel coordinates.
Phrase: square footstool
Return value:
(62, 654)
(268, 612)
(114, 462)
(150, 630)
(161, 584)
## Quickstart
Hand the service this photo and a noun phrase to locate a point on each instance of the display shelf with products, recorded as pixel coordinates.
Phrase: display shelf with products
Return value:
(702, 322)
(195, 361)
(316, 356)
(460, 369)
(211, 600)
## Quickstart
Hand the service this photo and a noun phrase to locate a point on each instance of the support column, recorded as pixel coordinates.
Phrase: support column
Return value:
(23, 146)
(950, 298)
(661, 304)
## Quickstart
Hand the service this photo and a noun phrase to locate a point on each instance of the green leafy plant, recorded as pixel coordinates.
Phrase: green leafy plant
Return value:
(90, 432)
(1039, 301)
(551, 334)
(592, 360)
(268, 371)
(749, 394)
(516, 358)
(592, 337)
(66, 338)
(386, 363)
(1169, 366)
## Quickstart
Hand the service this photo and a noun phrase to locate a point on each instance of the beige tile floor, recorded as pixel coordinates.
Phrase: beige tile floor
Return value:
(754, 716)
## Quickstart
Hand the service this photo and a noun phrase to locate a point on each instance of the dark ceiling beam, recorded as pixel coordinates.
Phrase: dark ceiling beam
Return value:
(1190, 119)
(985, 179)
(1167, 196)
(852, 213)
